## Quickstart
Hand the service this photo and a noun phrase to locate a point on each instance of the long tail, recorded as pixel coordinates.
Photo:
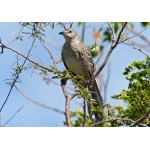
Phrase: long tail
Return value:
(97, 104)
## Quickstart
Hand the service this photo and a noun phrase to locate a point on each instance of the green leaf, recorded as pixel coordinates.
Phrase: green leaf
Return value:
(80, 24)
(107, 36)
(144, 24)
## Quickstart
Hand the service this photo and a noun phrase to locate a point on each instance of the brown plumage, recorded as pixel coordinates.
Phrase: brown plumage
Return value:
(77, 59)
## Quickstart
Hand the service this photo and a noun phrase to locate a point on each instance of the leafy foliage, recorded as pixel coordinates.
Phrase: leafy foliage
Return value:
(145, 24)
(36, 28)
(137, 98)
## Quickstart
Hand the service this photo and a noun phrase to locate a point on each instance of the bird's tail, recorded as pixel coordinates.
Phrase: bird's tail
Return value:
(96, 108)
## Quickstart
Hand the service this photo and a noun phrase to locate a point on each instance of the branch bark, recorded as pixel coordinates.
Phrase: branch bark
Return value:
(114, 119)
(68, 97)
(17, 74)
(141, 119)
(113, 46)
(27, 58)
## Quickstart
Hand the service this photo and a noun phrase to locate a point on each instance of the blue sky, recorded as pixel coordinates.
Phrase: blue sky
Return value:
(50, 94)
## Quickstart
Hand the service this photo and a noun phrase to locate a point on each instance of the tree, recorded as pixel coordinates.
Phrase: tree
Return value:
(105, 35)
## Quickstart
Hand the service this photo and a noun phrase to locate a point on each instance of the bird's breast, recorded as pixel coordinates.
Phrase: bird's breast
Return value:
(73, 61)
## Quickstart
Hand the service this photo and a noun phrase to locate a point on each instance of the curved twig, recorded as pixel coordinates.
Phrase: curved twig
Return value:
(37, 102)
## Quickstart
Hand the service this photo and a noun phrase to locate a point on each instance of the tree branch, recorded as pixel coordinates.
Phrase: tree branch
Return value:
(4, 46)
(68, 97)
(114, 119)
(17, 74)
(106, 83)
(37, 102)
(46, 47)
(136, 49)
(113, 46)
(139, 35)
(136, 34)
(112, 29)
(83, 31)
(13, 116)
(141, 119)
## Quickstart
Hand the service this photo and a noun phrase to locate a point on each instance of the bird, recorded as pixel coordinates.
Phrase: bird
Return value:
(78, 59)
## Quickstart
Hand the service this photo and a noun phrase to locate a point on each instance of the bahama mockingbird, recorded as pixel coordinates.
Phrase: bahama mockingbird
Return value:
(77, 58)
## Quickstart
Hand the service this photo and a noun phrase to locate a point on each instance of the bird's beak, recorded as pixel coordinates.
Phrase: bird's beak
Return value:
(61, 33)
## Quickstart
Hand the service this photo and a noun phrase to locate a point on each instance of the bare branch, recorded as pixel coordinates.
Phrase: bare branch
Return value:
(13, 115)
(119, 36)
(83, 31)
(17, 37)
(46, 47)
(113, 32)
(70, 23)
(48, 69)
(17, 74)
(36, 101)
(68, 97)
(141, 119)
(113, 46)
(139, 34)
(136, 49)
(106, 83)
(53, 44)
(67, 106)
(62, 25)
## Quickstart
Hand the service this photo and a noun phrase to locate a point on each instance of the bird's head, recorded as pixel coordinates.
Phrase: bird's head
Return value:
(69, 34)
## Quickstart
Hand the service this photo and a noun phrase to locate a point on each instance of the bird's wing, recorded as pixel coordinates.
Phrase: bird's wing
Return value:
(87, 61)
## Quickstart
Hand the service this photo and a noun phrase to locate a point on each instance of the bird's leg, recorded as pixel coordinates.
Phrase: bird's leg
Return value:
(64, 81)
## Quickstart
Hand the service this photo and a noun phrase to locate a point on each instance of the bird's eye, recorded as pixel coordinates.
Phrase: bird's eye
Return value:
(70, 31)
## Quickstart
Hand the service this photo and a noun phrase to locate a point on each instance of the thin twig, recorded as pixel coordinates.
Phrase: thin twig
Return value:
(141, 119)
(139, 35)
(112, 29)
(119, 36)
(106, 83)
(46, 47)
(136, 49)
(17, 75)
(113, 46)
(36, 101)
(62, 25)
(16, 36)
(53, 44)
(13, 116)
(46, 68)
(83, 31)
(145, 46)
(70, 23)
